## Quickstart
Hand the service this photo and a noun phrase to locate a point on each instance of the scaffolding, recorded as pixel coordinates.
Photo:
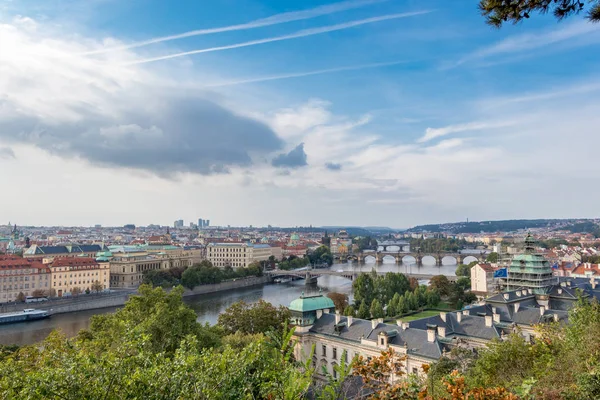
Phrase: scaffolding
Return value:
(530, 270)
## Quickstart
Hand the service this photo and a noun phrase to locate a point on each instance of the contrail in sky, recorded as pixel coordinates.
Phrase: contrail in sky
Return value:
(272, 20)
(308, 73)
(299, 34)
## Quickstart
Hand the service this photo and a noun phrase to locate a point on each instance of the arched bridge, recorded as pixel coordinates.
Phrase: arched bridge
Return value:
(312, 274)
(418, 256)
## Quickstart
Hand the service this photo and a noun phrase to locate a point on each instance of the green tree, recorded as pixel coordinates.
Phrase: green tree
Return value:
(349, 311)
(259, 317)
(364, 289)
(76, 291)
(432, 298)
(463, 270)
(441, 284)
(402, 307)
(497, 12)
(363, 311)
(376, 309)
(321, 255)
(493, 257)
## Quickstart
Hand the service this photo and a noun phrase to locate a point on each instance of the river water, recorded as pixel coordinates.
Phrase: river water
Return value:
(208, 307)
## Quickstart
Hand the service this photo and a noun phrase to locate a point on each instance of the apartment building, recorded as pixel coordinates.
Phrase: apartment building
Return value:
(482, 279)
(48, 253)
(238, 254)
(69, 273)
(21, 275)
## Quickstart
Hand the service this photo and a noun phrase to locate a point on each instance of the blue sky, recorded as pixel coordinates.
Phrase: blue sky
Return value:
(359, 112)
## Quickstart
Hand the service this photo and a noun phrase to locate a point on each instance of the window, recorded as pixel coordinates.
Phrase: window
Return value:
(414, 370)
(324, 350)
(334, 354)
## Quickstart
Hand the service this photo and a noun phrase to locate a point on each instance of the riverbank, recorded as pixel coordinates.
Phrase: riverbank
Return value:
(111, 300)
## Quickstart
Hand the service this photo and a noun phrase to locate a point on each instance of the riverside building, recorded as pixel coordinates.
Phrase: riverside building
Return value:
(72, 274)
(21, 275)
(238, 254)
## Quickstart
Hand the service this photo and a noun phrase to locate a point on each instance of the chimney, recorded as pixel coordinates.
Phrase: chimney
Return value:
(430, 335)
(399, 322)
(593, 282)
(488, 321)
(555, 317)
(496, 318)
(443, 316)
(542, 310)
(465, 312)
(441, 330)
(559, 290)
(374, 323)
(405, 326)
(319, 313)
(380, 320)
(337, 318)
(349, 320)
(326, 311)
(459, 317)
(493, 310)
(517, 305)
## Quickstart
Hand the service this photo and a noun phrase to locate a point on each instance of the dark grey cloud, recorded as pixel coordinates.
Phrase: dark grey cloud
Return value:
(184, 134)
(6, 153)
(294, 159)
(333, 166)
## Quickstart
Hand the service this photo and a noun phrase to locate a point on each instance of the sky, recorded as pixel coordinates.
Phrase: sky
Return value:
(293, 113)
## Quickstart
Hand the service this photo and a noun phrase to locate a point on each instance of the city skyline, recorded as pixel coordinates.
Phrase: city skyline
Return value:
(367, 112)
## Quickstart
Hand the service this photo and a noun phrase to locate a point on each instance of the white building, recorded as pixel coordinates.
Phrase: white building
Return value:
(482, 279)
(238, 254)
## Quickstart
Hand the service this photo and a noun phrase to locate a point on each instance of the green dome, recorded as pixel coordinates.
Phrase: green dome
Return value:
(102, 259)
(311, 303)
(295, 236)
(104, 254)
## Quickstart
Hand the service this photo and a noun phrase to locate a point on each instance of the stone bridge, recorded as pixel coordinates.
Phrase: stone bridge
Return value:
(418, 256)
(312, 274)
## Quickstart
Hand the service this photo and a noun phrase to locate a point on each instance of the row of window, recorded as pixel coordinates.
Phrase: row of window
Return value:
(20, 278)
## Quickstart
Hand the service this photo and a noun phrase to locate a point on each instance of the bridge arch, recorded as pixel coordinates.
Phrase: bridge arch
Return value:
(387, 259)
(469, 259)
(408, 260)
(449, 260)
(370, 259)
(428, 260)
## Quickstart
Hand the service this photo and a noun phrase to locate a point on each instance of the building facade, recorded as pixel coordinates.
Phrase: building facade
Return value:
(482, 279)
(72, 274)
(48, 253)
(128, 263)
(20, 275)
(238, 255)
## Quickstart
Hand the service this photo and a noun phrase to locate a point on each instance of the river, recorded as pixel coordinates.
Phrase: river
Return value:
(208, 307)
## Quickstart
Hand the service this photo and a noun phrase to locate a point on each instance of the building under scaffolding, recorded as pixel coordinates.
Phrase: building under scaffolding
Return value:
(530, 270)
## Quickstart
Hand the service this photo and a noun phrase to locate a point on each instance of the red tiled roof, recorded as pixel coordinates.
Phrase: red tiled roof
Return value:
(15, 262)
(487, 267)
(73, 261)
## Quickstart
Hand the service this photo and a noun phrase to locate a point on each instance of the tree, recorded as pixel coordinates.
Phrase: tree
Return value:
(39, 293)
(363, 311)
(376, 309)
(259, 317)
(21, 297)
(463, 270)
(364, 289)
(441, 284)
(432, 298)
(97, 286)
(349, 311)
(76, 291)
(493, 257)
(497, 12)
(340, 300)
(322, 255)
(384, 377)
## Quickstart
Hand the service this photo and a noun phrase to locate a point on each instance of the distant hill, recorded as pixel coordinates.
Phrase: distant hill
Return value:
(494, 226)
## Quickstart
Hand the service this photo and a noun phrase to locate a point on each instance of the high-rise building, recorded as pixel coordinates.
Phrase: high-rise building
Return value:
(206, 223)
(201, 223)
(178, 223)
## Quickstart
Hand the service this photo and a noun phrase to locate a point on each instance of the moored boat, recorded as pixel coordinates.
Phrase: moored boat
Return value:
(28, 314)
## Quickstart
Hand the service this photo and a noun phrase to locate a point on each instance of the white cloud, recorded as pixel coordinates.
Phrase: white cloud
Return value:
(434, 133)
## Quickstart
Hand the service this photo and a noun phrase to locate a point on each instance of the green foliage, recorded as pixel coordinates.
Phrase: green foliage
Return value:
(349, 311)
(434, 245)
(340, 300)
(441, 284)
(259, 317)
(132, 355)
(493, 257)
(368, 287)
(205, 273)
(293, 262)
(376, 309)
(322, 255)
(363, 311)
(463, 270)
(497, 12)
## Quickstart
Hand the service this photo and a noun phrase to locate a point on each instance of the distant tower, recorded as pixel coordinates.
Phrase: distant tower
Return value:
(326, 240)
